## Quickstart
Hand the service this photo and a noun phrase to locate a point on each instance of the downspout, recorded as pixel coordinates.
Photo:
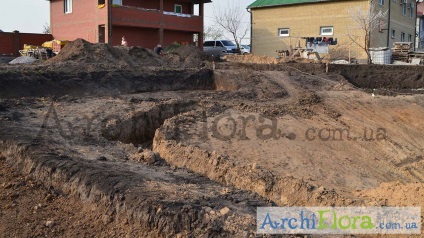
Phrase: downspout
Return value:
(109, 22)
(388, 25)
(251, 29)
(161, 22)
(417, 25)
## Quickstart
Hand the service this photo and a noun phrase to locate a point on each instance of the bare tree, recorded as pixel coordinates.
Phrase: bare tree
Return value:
(46, 28)
(233, 20)
(366, 20)
(213, 33)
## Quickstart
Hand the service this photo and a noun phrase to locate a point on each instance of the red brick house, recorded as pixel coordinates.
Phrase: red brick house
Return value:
(143, 22)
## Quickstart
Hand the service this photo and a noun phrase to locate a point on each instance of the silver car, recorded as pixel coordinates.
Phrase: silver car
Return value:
(245, 49)
(219, 47)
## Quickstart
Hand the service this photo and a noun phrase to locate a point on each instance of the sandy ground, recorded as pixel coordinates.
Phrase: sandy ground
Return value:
(177, 149)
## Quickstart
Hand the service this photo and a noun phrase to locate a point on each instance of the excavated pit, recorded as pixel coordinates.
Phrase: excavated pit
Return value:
(100, 172)
(173, 111)
(139, 127)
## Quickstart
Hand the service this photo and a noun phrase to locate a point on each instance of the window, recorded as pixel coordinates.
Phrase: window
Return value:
(411, 10)
(402, 37)
(209, 43)
(228, 43)
(409, 38)
(393, 34)
(326, 30)
(219, 44)
(381, 2)
(117, 2)
(68, 6)
(101, 2)
(178, 8)
(283, 32)
(404, 8)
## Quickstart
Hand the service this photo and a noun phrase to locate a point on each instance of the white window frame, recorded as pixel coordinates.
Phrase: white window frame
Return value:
(178, 5)
(322, 28)
(283, 34)
(117, 2)
(67, 6)
(381, 2)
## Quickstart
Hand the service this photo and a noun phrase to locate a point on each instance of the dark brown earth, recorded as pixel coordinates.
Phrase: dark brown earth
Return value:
(116, 142)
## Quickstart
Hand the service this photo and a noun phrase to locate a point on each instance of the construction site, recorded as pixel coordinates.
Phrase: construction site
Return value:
(114, 141)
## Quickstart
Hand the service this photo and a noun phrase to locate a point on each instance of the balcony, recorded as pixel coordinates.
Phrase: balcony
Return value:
(151, 18)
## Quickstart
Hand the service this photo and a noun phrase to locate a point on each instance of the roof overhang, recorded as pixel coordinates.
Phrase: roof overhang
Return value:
(273, 3)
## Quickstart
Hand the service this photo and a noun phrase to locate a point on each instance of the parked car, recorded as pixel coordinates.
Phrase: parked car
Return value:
(245, 49)
(219, 47)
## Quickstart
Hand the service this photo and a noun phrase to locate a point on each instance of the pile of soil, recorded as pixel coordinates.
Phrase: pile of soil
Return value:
(82, 51)
(187, 56)
(255, 59)
(393, 194)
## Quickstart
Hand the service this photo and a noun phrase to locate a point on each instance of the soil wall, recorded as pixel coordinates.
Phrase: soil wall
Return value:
(42, 83)
(393, 77)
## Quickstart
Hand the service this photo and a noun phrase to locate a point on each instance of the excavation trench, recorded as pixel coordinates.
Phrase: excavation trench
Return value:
(46, 82)
(138, 127)
(167, 209)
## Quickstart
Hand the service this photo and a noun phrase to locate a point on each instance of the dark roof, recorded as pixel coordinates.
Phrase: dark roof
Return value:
(272, 3)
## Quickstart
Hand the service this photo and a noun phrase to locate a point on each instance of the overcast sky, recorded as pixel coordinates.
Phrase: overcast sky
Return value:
(31, 15)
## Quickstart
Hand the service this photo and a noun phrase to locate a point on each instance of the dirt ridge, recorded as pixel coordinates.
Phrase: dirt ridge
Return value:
(284, 191)
(76, 177)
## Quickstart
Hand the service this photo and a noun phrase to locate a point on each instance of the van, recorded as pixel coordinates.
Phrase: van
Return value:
(219, 47)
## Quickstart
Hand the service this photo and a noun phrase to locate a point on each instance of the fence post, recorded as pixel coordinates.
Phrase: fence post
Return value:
(16, 43)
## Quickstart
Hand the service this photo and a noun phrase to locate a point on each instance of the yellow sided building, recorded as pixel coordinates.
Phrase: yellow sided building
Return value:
(279, 25)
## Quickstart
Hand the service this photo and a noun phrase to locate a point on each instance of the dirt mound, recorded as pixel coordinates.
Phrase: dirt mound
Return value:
(251, 59)
(187, 56)
(82, 51)
(394, 194)
(393, 77)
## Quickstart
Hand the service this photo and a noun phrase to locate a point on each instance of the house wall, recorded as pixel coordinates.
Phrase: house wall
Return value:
(305, 20)
(83, 22)
(168, 5)
(398, 22)
(140, 27)
(177, 36)
(12, 42)
(148, 37)
(7, 43)
(142, 4)
(420, 27)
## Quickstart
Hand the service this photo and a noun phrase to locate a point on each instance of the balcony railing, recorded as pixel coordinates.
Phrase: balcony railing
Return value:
(151, 18)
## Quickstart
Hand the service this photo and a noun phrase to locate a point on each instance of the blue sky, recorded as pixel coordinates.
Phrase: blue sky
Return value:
(31, 15)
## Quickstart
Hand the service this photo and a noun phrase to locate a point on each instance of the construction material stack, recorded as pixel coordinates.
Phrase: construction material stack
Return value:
(401, 51)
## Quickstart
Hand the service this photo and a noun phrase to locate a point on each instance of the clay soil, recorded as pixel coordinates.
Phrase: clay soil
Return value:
(107, 141)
